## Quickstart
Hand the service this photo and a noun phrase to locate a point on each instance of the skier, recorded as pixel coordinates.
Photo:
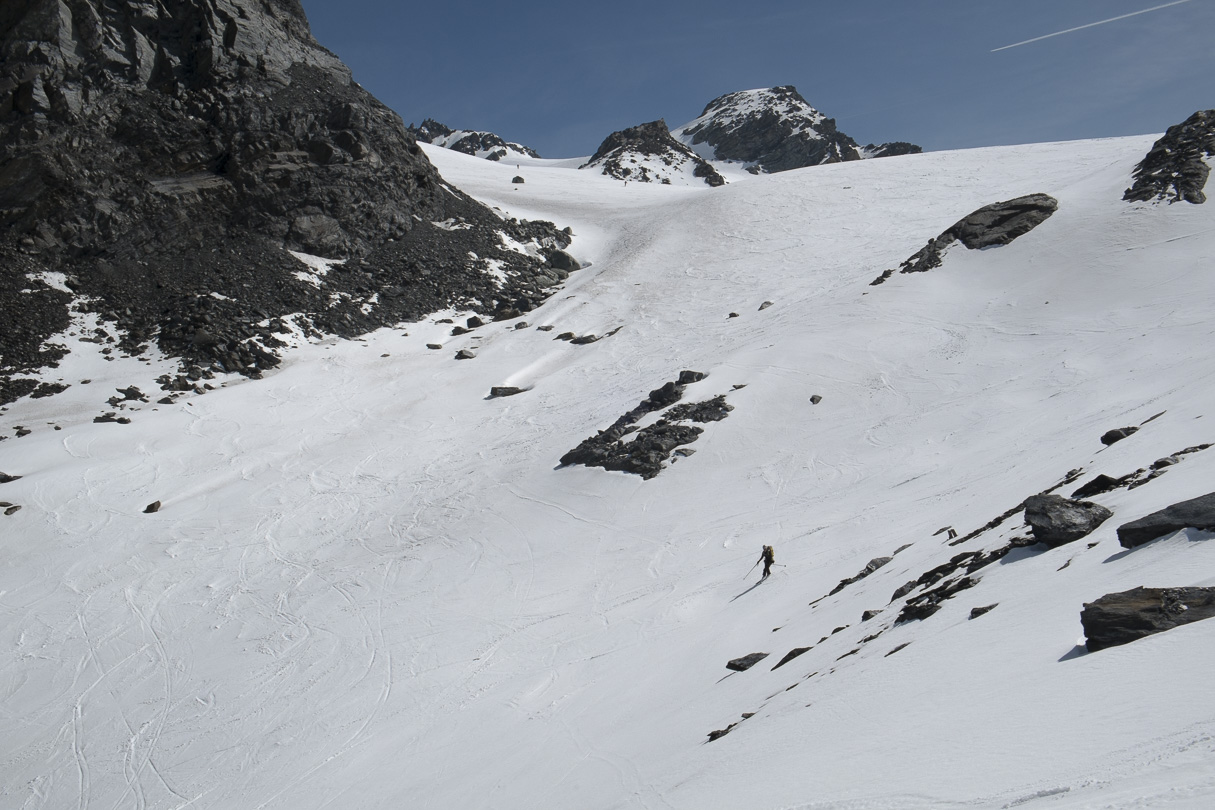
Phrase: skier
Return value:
(767, 557)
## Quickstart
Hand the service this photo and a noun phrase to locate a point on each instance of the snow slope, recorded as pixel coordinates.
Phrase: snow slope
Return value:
(369, 586)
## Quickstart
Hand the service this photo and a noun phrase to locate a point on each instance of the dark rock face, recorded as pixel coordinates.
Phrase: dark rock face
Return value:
(1174, 169)
(470, 142)
(649, 154)
(159, 154)
(996, 224)
(647, 451)
(776, 130)
(1055, 520)
(746, 662)
(1196, 513)
(1120, 618)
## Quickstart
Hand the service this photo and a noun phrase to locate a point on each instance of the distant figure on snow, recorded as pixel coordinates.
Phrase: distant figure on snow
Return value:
(767, 558)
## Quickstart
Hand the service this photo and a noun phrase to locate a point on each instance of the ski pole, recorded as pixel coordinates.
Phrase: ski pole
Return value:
(749, 570)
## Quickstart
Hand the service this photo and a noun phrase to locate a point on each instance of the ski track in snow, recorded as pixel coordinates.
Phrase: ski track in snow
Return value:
(369, 586)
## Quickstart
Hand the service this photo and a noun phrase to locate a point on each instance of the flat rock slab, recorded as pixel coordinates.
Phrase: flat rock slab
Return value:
(1196, 513)
(746, 662)
(1120, 618)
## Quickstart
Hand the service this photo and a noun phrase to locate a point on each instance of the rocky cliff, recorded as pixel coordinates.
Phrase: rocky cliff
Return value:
(164, 156)
(471, 142)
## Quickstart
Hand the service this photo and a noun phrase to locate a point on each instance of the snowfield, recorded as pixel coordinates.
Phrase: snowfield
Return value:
(370, 586)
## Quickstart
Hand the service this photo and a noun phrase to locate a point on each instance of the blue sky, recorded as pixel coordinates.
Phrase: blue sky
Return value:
(560, 76)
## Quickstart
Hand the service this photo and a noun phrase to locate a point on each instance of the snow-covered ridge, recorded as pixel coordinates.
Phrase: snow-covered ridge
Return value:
(649, 154)
(477, 143)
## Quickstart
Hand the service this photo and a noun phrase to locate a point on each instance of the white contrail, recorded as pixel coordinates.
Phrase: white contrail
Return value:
(1090, 25)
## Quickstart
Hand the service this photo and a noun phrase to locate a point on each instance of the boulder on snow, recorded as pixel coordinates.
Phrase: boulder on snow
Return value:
(12, 510)
(1117, 435)
(979, 611)
(746, 662)
(1196, 513)
(517, 179)
(1102, 483)
(6, 478)
(504, 391)
(465, 354)
(870, 567)
(1055, 520)
(152, 508)
(1120, 618)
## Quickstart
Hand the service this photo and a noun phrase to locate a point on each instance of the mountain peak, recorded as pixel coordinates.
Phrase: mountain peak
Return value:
(773, 130)
(471, 142)
(648, 153)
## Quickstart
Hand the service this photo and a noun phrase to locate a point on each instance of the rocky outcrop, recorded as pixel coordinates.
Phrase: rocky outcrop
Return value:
(164, 156)
(647, 450)
(1120, 618)
(774, 130)
(471, 142)
(1196, 513)
(992, 225)
(1174, 169)
(648, 154)
(1055, 520)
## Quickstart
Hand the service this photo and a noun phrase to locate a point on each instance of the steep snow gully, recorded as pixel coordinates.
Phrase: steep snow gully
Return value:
(371, 585)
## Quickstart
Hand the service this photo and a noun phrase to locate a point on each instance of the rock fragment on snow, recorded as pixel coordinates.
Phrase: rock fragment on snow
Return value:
(152, 508)
(1117, 435)
(745, 662)
(504, 391)
(979, 611)
(5, 478)
(465, 354)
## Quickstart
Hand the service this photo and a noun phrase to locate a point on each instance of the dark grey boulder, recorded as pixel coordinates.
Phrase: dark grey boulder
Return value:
(1196, 513)
(5, 478)
(1117, 435)
(152, 508)
(504, 391)
(816, 399)
(1102, 483)
(1120, 618)
(465, 354)
(869, 614)
(764, 305)
(1055, 520)
(517, 179)
(434, 345)
(746, 662)
(12, 510)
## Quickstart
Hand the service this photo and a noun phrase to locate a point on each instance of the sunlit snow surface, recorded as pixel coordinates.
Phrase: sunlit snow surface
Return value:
(369, 586)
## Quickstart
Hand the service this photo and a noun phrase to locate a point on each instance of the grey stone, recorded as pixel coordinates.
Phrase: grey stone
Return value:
(764, 305)
(869, 614)
(1055, 520)
(518, 179)
(1120, 618)
(1117, 435)
(152, 508)
(504, 391)
(816, 399)
(746, 662)
(979, 611)
(1196, 513)
(465, 354)
(5, 478)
